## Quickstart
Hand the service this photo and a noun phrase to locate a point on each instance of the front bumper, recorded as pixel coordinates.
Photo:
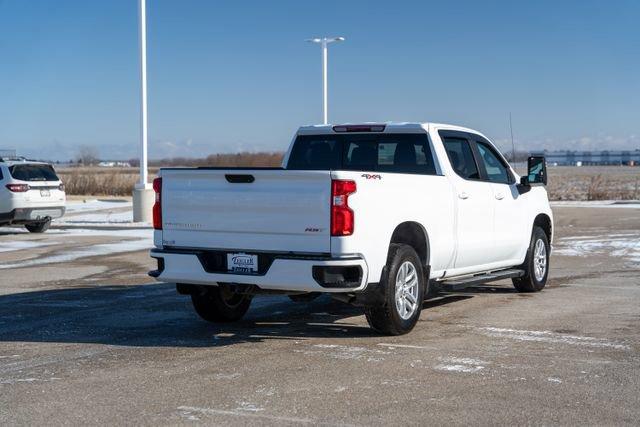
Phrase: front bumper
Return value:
(282, 271)
(25, 215)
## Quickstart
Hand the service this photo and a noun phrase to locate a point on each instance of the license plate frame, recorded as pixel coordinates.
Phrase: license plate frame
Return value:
(240, 262)
(45, 193)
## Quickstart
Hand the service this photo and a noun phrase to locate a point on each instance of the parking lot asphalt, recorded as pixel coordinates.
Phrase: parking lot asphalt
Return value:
(87, 338)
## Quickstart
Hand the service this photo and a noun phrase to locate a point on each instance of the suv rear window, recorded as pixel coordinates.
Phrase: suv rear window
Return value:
(402, 153)
(32, 172)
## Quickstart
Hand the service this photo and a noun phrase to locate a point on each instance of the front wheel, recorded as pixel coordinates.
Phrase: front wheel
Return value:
(220, 304)
(38, 227)
(404, 293)
(536, 264)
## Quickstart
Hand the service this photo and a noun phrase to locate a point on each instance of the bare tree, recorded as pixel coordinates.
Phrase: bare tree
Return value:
(87, 155)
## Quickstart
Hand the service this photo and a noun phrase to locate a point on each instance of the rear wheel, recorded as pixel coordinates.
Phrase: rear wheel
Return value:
(220, 304)
(536, 265)
(404, 292)
(38, 227)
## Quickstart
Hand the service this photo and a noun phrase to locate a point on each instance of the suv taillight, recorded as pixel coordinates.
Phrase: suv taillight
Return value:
(157, 206)
(61, 187)
(18, 188)
(342, 217)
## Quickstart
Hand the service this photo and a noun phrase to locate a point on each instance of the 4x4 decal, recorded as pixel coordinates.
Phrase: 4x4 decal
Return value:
(371, 176)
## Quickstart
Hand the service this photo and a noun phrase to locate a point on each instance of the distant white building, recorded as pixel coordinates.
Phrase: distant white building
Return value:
(587, 158)
(110, 164)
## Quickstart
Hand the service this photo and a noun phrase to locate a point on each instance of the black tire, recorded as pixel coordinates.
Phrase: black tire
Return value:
(219, 304)
(386, 318)
(530, 282)
(38, 227)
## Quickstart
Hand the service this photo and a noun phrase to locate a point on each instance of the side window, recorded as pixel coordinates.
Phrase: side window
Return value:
(461, 157)
(1, 177)
(496, 170)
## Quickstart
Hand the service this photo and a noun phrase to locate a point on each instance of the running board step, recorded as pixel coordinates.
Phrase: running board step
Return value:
(452, 285)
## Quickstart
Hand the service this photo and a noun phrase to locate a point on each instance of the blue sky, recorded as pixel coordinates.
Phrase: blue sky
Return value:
(237, 75)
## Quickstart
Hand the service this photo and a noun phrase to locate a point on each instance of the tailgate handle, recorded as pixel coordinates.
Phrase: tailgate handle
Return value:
(240, 179)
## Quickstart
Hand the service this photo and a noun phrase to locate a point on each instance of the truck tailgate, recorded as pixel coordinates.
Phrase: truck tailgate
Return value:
(279, 210)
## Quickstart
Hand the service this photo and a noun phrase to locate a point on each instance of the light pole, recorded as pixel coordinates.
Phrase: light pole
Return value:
(143, 196)
(143, 94)
(324, 41)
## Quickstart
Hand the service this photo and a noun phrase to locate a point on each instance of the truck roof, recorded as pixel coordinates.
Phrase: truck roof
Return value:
(20, 161)
(389, 127)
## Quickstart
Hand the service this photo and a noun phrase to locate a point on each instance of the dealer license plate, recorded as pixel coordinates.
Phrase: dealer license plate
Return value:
(242, 263)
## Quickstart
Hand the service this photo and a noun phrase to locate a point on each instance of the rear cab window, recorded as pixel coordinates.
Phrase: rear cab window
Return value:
(33, 172)
(399, 153)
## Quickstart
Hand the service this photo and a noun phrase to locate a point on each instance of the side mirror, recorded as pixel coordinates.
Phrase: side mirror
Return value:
(536, 171)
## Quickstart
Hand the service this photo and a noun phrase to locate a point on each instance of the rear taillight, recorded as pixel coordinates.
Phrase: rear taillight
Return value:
(61, 187)
(157, 206)
(342, 217)
(18, 188)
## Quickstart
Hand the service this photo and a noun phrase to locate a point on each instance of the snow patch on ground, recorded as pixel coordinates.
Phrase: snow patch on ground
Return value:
(107, 217)
(23, 244)
(394, 346)
(460, 364)
(624, 245)
(344, 352)
(132, 240)
(98, 212)
(552, 338)
(249, 407)
(74, 206)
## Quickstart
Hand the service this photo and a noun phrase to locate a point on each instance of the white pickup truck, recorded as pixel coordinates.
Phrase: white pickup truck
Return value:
(377, 215)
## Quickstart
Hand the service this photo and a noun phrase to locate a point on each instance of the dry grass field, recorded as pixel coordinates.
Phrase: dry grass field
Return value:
(565, 183)
(104, 181)
(97, 181)
(594, 183)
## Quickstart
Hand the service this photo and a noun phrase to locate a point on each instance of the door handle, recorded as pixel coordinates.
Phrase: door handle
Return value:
(463, 195)
(499, 196)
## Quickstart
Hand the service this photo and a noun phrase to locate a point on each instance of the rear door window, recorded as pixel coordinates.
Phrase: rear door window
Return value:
(461, 157)
(33, 172)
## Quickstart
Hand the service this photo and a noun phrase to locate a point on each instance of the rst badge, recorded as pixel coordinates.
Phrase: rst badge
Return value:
(313, 230)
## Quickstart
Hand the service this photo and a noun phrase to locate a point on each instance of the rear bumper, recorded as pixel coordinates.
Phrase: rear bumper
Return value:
(25, 215)
(285, 272)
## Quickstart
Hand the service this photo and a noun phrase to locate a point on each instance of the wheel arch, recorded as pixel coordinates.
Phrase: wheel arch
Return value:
(415, 235)
(544, 221)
